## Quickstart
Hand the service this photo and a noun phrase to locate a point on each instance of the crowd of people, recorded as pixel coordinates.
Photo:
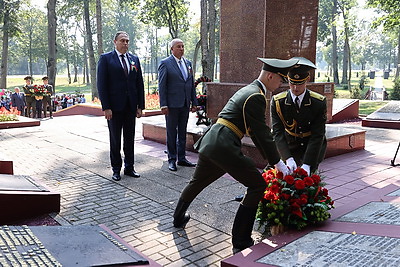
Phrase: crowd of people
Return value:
(36, 101)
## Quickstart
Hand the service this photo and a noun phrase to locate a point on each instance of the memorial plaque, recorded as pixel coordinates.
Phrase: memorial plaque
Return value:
(63, 246)
(19, 183)
(395, 194)
(374, 212)
(336, 249)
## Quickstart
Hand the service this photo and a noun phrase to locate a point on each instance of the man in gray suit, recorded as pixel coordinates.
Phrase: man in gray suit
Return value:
(177, 97)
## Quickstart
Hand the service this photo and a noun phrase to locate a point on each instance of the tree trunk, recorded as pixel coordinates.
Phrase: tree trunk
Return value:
(195, 55)
(99, 26)
(398, 55)
(92, 63)
(68, 71)
(51, 29)
(335, 68)
(208, 14)
(4, 53)
(345, 65)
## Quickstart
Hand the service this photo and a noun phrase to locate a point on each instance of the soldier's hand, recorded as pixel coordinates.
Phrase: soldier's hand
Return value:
(108, 114)
(291, 164)
(280, 166)
(306, 168)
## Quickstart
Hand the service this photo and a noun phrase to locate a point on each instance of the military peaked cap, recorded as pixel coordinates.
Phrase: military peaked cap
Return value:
(279, 66)
(301, 71)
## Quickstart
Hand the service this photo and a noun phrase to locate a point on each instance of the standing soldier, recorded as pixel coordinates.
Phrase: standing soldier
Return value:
(298, 120)
(30, 100)
(47, 97)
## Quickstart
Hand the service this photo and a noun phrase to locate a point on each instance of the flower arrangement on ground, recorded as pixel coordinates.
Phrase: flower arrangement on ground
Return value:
(293, 201)
(9, 115)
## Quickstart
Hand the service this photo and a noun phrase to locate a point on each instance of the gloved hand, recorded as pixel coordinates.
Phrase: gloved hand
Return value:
(306, 168)
(280, 166)
(291, 164)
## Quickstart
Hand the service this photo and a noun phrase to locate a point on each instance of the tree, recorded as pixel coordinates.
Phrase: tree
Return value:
(9, 18)
(89, 43)
(390, 20)
(327, 20)
(99, 25)
(208, 19)
(52, 44)
(166, 13)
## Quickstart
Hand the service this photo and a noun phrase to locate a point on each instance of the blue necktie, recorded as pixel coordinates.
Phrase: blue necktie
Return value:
(181, 67)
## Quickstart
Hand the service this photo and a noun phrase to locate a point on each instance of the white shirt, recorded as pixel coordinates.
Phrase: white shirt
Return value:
(299, 96)
(182, 60)
(125, 58)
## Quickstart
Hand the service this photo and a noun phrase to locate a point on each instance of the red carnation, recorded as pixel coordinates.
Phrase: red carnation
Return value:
(279, 175)
(309, 181)
(274, 188)
(285, 196)
(316, 178)
(289, 179)
(325, 191)
(299, 184)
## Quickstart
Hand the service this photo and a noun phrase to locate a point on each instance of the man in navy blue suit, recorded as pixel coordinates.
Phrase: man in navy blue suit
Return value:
(18, 101)
(177, 98)
(121, 91)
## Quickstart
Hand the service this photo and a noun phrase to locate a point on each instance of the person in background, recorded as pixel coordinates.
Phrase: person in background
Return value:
(298, 120)
(220, 151)
(47, 97)
(30, 100)
(121, 91)
(177, 98)
(18, 100)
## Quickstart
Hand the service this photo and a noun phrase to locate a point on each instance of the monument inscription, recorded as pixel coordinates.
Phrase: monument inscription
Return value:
(337, 249)
(374, 212)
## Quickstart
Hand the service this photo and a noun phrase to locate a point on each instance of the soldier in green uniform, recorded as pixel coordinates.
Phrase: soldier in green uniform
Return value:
(298, 120)
(47, 97)
(220, 151)
(29, 97)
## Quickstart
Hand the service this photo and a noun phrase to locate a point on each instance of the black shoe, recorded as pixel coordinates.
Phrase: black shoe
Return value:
(131, 173)
(116, 176)
(239, 198)
(172, 166)
(186, 163)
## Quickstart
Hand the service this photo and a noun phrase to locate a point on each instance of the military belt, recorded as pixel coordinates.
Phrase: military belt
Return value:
(300, 135)
(231, 126)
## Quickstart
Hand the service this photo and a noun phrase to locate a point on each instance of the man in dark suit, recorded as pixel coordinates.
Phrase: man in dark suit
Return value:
(177, 98)
(121, 91)
(298, 120)
(220, 151)
(18, 101)
(47, 97)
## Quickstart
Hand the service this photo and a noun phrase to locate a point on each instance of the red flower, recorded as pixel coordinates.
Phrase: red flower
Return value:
(303, 199)
(274, 188)
(325, 191)
(279, 175)
(308, 181)
(285, 196)
(316, 178)
(299, 184)
(289, 179)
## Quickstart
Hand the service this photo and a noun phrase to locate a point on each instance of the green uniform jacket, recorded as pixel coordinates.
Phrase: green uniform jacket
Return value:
(245, 109)
(310, 118)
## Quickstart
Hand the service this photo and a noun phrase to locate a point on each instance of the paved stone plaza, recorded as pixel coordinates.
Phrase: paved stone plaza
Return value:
(71, 155)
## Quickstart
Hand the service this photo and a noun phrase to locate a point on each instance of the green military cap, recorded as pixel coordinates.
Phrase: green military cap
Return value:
(301, 71)
(279, 66)
(28, 78)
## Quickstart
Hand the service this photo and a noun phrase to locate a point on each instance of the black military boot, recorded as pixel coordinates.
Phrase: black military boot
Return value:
(180, 216)
(242, 228)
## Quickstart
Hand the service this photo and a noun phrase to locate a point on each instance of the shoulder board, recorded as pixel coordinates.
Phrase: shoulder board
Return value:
(281, 95)
(316, 95)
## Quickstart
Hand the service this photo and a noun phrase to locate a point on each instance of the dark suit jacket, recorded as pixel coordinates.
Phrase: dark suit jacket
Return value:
(310, 118)
(115, 87)
(175, 92)
(18, 101)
